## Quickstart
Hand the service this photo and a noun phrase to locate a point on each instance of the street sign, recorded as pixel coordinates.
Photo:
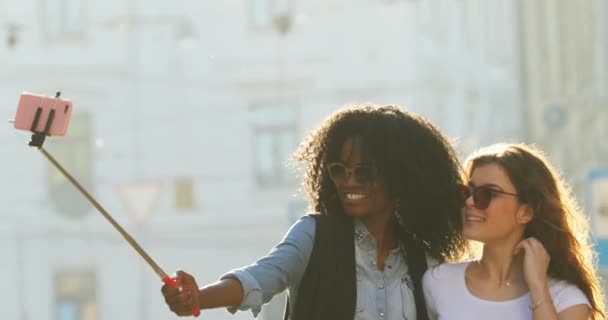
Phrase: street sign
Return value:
(140, 198)
(597, 208)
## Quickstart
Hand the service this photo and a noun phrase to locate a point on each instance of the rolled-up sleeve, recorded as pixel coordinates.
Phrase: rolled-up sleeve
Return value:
(282, 268)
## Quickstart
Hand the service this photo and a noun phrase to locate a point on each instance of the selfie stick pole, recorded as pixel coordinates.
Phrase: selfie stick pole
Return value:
(37, 140)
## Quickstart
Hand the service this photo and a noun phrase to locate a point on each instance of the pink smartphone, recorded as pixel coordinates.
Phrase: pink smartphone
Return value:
(28, 107)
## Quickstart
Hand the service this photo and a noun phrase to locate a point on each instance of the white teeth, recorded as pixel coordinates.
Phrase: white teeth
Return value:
(354, 196)
(475, 219)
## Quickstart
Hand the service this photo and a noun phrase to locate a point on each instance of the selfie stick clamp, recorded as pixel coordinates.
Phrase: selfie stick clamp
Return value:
(37, 140)
(38, 137)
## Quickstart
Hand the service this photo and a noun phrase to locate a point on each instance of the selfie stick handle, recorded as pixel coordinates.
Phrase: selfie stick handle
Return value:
(37, 140)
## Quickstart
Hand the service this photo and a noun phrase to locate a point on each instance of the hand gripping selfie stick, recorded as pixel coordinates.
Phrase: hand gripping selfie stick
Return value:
(37, 140)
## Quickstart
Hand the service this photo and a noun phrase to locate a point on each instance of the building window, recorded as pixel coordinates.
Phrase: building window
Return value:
(274, 134)
(184, 194)
(75, 295)
(74, 153)
(63, 18)
(261, 13)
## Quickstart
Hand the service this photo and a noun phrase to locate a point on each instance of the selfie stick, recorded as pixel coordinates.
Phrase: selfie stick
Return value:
(37, 140)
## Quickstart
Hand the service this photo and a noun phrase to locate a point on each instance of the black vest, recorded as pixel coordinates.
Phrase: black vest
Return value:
(328, 289)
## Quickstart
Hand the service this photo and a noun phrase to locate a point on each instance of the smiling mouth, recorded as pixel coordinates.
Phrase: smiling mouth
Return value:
(354, 196)
(474, 219)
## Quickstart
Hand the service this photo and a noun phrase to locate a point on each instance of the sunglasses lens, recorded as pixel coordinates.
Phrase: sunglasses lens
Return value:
(482, 197)
(363, 174)
(337, 171)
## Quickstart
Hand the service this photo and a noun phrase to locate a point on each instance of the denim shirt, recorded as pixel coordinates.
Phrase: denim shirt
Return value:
(381, 294)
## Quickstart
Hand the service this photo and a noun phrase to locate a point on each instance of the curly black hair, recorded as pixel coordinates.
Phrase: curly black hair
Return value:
(418, 164)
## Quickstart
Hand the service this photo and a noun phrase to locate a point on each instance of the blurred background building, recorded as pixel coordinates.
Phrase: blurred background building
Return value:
(564, 53)
(186, 113)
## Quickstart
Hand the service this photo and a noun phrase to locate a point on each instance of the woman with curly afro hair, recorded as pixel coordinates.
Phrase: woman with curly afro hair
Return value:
(383, 184)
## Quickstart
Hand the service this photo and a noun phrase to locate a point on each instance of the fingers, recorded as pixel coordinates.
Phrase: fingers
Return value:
(183, 298)
(517, 249)
(180, 298)
(536, 244)
(184, 278)
(189, 284)
(194, 293)
(182, 304)
(539, 249)
(169, 291)
(533, 246)
(522, 245)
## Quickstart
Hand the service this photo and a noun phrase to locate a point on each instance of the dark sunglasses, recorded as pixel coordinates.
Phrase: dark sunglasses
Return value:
(338, 172)
(482, 195)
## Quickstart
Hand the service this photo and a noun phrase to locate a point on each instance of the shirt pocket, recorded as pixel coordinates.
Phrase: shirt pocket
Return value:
(408, 304)
(361, 296)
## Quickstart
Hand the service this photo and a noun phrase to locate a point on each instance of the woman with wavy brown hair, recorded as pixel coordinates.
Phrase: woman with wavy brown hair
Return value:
(537, 262)
(383, 184)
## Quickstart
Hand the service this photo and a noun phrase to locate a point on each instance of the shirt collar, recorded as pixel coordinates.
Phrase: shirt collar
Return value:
(361, 233)
(365, 239)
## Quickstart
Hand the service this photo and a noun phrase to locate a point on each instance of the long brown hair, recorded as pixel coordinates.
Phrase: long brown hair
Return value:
(558, 223)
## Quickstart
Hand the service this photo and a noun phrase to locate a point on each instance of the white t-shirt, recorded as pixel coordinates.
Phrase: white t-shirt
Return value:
(448, 297)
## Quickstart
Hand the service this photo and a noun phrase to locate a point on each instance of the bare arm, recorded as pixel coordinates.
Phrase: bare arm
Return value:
(577, 312)
(251, 286)
(185, 298)
(224, 293)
